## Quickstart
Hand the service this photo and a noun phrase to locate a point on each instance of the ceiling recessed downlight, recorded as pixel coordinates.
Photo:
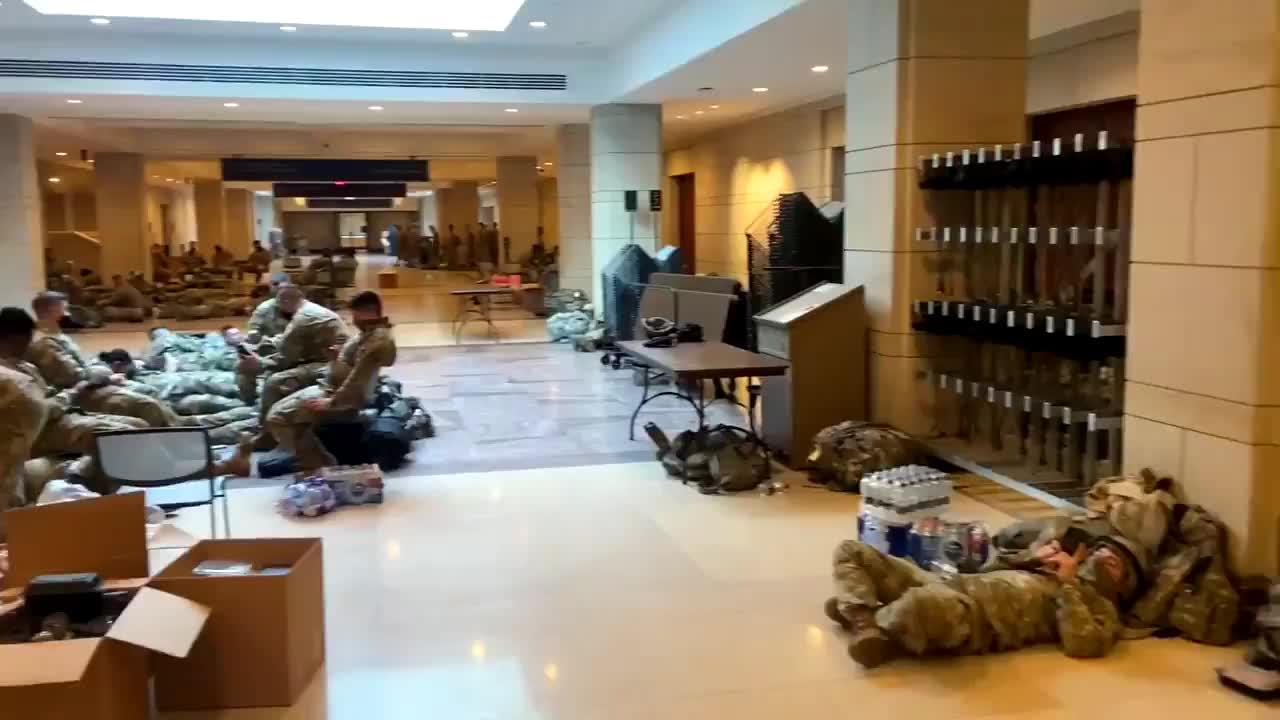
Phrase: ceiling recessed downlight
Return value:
(697, 112)
(348, 198)
(168, 179)
(490, 15)
(60, 154)
(287, 28)
(376, 108)
(715, 107)
(681, 117)
(548, 163)
(231, 105)
(512, 110)
(460, 34)
(539, 24)
(73, 101)
(55, 179)
(100, 21)
(819, 68)
(759, 89)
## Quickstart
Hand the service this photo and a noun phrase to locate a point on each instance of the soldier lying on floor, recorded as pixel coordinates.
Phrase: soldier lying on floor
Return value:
(36, 420)
(192, 392)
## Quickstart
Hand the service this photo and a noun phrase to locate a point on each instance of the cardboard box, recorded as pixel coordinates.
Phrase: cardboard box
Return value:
(265, 637)
(92, 678)
(388, 280)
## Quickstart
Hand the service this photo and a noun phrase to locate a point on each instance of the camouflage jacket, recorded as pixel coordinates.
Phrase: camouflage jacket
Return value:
(56, 402)
(353, 375)
(59, 360)
(266, 322)
(312, 331)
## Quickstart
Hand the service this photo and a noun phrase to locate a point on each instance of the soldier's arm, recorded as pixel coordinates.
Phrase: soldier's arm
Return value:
(1088, 624)
(374, 356)
(258, 324)
(56, 366)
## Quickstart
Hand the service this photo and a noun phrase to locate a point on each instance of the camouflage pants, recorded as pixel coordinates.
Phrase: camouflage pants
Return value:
(174, 385)
(205, 404)
(113, 400)
(914, 606)
(74, 434)
(293, 426)
(21, 418)
(279, 385)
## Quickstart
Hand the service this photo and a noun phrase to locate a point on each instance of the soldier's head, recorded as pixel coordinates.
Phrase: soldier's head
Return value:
(233, 335)
(366, 310)
(16, 330)
(1115, 567)
(49, 307)
(119, 360)
(117, 280)
(289, 298)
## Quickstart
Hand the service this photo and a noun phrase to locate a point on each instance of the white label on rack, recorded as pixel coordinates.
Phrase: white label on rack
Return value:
(1102, 140)
(1053, 236)
(951, 159)
(1046, 411)
(1048, 324)
(975, 390)
(964, 156)
(1079, 142)
(946, 308)
(982, 155)
(919, 235)
(1013, 236)
(1008, 399)
(995, 234)
(942, 381)
(1035, 149)
(937, 160)
(1032, 235)
(1057, 146)
(960, 310)
(959, 386)
(999, 153)
(992, 317)
(1026, 403)
(977, 236)
(1017, 151)
(946, 234)
(1031, 321)
(991, 394)
(964, 233)
(1074, 235)
(1071, 327)
(1099, 236)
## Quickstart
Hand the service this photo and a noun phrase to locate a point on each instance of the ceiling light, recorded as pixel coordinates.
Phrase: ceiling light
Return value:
(92, 162)
(548, 163)
(429, 192)
(168, 179)
(75, 102)
(819, 68)
(100, 21)
(539, 24)
(231, 105)
(376, 108)
(697, 112)
(55, 180)
(759, 89)
(60, 154)
(491, 15)
(350, 198)
(681, 117)
(715, 107)
(155, 177)
(266, 193)
(511, 110)
(460, 34)
(339, 182)
(288, 28)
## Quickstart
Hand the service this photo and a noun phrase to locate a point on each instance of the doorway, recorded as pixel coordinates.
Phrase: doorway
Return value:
(687, 221)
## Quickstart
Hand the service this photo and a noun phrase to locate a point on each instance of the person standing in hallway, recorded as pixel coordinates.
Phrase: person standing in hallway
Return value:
(409, 246)
(393, 242)
(348, 386)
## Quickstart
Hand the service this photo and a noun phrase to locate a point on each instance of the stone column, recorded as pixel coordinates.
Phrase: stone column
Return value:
(1202, 400)
(238, 235)
(121, 184)
(210, 215)
(21, 226)
(573, 185)
(82, 209)
(518, 203)
(458, 205)
(626, 154)
(924, 76)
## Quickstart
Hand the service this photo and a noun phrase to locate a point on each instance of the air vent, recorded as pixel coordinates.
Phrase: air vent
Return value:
(279, 75)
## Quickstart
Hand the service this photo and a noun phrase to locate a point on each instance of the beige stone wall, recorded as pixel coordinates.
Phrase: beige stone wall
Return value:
(549, 210)
(740, 170)
(1091, 72)
(1202, 400)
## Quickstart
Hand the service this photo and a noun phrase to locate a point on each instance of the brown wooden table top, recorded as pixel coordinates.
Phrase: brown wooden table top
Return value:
(494, 289)
(704, 360)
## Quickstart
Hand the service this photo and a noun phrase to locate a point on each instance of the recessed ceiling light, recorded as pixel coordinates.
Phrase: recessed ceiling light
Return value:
(697, 112)
(486, 15)
(759, 89)
(511, 110)
(348, 198)
(376, 108)
(155, 177)
(265, 193)
(74, 101)
(460, 34)
(168, 179)
(681, 117)
(60, 154)
(537, 24)
(288, 28)
(55, 180)
(231, 105)
(819, 68)
(92, 162)
(100, 21)
(548, 163)
(715, 107)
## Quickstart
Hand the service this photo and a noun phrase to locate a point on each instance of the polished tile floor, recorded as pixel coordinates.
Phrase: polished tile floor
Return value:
(614, 593)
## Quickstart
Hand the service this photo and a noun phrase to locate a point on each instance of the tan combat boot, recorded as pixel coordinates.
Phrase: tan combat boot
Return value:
(869, 646)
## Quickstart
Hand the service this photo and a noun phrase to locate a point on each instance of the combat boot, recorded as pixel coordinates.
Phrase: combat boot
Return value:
(832, 609)
(870, 646)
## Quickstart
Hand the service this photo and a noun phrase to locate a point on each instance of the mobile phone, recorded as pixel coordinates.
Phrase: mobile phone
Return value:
(1073, 538)
(244, 351)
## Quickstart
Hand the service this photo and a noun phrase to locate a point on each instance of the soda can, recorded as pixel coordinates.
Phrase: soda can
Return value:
(926, 542)
(898, 539)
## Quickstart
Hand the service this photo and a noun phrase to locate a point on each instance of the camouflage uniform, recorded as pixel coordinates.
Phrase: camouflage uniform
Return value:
(267, 324)
(972, 614)
(350, 384)
(22, 415)
(62, 365)
(300, 358)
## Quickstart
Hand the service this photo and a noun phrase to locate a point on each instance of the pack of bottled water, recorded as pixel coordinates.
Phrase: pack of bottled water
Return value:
(896, 499)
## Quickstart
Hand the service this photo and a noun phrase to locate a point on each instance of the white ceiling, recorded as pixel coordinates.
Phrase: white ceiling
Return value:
(652, 51)
(609, 21)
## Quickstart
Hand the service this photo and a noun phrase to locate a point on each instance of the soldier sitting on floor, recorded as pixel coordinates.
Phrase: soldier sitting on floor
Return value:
(126, 303)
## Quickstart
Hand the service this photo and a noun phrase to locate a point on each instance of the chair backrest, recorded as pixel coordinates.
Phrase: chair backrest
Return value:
(155, 456)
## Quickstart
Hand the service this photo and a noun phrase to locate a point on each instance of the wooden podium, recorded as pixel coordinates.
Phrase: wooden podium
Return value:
(822, 332)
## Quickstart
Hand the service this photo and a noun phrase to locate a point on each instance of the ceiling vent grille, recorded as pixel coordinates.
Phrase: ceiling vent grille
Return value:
(280, 75)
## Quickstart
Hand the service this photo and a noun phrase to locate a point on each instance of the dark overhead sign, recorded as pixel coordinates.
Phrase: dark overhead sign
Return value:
(339, 189)
(315, 170)
(341, 204)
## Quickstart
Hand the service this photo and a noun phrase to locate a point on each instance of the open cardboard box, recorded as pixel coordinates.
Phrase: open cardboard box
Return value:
(92, 678)
(265, 638)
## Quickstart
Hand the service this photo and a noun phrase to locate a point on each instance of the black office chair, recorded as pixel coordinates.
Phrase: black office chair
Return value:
(164, 457)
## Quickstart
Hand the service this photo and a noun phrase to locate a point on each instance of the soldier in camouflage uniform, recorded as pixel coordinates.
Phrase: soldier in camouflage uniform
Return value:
(890, 605)
(22, 413)
(301, 352)
(349, 385)
(267, 324)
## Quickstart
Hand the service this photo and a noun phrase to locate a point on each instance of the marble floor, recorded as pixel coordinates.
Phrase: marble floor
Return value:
(614, 593)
